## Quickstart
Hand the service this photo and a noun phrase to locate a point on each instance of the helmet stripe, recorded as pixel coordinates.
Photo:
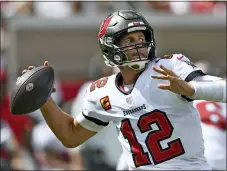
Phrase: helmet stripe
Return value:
(104, 26)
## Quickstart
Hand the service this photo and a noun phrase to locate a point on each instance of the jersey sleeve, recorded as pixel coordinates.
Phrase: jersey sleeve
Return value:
(77, 104)
(184, 68)
(92, 117)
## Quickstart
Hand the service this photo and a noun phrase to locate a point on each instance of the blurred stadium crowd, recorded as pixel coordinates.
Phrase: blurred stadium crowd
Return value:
(64, 8)
(26, 140)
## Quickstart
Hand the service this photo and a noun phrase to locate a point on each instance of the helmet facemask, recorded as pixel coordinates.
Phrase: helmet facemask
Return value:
(119, 57)
(140, 61)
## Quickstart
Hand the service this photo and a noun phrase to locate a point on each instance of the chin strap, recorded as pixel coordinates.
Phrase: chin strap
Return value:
(138, 66)
(135, 65)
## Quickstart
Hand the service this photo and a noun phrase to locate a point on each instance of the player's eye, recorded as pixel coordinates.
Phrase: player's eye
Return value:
(141, 39)
(131, 41)
(128, 42)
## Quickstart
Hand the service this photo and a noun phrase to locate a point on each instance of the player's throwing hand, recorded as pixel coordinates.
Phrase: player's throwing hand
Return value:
(176, 85)
(32, 67)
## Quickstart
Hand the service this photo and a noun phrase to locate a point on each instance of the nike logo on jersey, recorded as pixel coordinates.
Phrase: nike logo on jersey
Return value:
(179, 58)
(128, 112)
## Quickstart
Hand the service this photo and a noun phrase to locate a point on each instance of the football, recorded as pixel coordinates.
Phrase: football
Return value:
(32, 90)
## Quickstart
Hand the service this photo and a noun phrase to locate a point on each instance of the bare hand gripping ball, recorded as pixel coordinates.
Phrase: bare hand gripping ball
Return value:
(32, 90)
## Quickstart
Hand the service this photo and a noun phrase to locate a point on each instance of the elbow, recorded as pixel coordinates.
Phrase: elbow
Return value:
(69, 140)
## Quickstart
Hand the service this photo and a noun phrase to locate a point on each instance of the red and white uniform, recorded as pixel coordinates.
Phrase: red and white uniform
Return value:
(213, 117)
(157, 129)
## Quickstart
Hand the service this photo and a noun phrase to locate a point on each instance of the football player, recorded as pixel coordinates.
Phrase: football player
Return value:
(157, 129)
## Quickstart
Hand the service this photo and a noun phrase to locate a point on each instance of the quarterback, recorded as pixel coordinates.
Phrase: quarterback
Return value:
(149, 100)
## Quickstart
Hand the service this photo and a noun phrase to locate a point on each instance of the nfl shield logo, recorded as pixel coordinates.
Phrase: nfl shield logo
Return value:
(129, 100)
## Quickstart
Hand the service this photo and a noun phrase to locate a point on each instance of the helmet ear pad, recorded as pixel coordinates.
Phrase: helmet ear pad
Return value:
(113, 51)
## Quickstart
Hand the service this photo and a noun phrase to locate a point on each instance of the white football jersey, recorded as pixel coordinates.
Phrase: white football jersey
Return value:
(157, 129)
(213, 117)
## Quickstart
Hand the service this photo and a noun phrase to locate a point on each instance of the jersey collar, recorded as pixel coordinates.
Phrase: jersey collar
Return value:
(119, 83)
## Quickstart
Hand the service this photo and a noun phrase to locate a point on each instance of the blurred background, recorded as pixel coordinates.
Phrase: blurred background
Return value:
(64, 33)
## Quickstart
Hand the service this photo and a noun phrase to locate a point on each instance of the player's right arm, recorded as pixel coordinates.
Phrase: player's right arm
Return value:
(73, 132)
(66, 128)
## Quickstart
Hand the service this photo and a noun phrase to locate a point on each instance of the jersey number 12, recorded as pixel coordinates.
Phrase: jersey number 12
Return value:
(153, 139)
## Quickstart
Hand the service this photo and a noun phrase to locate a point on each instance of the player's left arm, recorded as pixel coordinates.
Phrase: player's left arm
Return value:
(209, 88)
(190, 82)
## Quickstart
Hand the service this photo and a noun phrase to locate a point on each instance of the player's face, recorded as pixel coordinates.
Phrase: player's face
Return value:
(131, 39)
